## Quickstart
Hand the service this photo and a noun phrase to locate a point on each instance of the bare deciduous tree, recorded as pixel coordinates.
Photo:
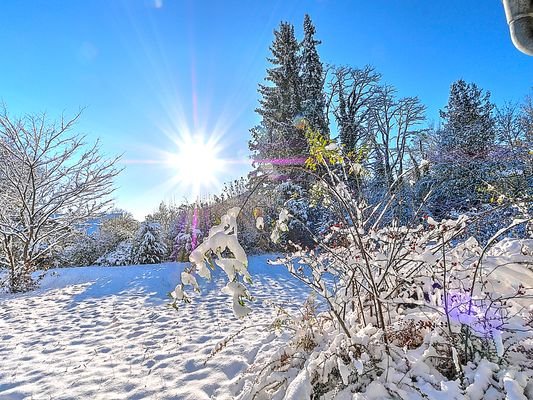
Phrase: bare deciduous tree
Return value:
(351, 93)
(393, 124)
(51, 182)
(510, 129)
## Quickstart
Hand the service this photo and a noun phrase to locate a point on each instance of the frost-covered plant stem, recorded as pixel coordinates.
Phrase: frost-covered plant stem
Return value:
(357, 239)
(445, 287)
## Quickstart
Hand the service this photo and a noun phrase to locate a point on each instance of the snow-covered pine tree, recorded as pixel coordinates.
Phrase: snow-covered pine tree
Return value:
(463, 165)
(277, 139)
(312, 80)
(82, 250)
(468, 121)
(149, 247)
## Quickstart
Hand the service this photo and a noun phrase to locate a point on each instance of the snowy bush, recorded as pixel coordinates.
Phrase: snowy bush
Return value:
(408, 308)
(121, 255)
(117, 227)
(103, 247)
(84, 250)
(308, 220)
(411, 311)
(408, 312)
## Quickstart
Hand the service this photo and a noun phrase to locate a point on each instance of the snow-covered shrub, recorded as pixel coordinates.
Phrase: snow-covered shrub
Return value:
(118, 227)
(490, 218)
(121, 255)
(91, 249)
(309, 218)
(407, 310)
(148, 246)
(82, 251)
(411, 311)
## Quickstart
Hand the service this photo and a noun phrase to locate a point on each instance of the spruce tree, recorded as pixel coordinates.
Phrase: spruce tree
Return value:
(277, 139)
(149, 247)
(464, 144)
(312, 81)
(468, 122)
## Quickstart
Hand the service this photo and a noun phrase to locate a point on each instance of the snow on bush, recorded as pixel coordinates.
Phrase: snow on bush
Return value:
(121, 255)
(85, 250)
(443, 333)
(411, 312)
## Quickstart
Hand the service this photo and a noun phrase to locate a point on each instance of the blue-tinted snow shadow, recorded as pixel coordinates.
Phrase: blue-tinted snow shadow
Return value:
(151, 283)
(278, 285)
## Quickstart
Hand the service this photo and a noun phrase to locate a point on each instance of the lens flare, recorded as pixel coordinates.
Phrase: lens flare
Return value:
(197, 163)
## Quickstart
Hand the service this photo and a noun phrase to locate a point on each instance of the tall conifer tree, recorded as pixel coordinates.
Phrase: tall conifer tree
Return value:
(312, 80)
(278, 137)
(465, 141)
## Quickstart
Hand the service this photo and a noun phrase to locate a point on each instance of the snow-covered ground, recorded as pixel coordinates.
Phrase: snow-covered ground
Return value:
(108, 333)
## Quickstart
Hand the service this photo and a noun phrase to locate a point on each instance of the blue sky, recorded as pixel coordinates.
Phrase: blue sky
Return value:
(145, 69)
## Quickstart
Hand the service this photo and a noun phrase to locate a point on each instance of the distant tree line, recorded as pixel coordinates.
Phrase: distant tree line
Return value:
(474, 161)
(478, 156)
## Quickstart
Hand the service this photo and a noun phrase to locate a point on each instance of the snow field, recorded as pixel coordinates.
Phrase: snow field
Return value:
(108, 333)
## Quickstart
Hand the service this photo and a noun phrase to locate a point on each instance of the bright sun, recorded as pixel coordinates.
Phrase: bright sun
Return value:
(197, 163)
